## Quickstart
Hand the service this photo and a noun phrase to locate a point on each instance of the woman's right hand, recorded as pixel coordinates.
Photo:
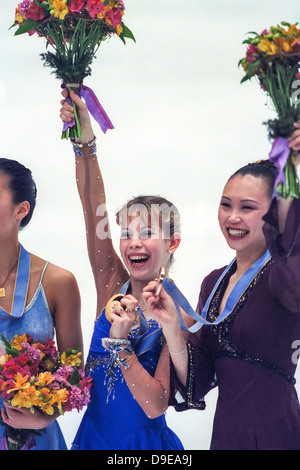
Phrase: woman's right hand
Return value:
(67, 114)
(162, 308)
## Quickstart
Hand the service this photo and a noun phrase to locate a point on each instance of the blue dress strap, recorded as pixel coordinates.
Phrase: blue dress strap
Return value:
(21, 284)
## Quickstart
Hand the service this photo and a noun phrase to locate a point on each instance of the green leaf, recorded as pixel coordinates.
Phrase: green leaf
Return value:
(13, 351)
(25, 27)
(74, 379)
(13, 26)
(126, 33)
(245, 79)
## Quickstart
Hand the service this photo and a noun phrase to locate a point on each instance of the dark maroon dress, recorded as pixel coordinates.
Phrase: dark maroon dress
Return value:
(252, 355)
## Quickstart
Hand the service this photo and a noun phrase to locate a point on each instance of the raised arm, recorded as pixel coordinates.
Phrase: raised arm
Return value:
(108, 269)
(282, 231)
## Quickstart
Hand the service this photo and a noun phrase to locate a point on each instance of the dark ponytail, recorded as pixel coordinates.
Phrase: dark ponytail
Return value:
(21, 185)
(263, 169)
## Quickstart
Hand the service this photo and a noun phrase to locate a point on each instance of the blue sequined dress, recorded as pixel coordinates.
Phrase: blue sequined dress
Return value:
(38, 323)
(117, 422)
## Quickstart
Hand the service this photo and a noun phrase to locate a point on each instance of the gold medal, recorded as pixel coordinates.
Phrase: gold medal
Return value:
(113, 302)
(2, 292)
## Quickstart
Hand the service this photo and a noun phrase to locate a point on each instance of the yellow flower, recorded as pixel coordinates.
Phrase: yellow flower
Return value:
(119, 29)
(60, 397)
(25, 398)
(17, 341)
(18, 17)
(46, 400)
(44, 378)
(267, 46)
(72, 360)
(59, 9)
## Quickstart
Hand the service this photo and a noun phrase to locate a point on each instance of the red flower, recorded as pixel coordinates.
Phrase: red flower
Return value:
(76, 5)
(35, 13)
(94, 6)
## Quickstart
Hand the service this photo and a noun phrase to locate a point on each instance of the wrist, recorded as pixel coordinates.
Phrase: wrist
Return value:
(84, 149)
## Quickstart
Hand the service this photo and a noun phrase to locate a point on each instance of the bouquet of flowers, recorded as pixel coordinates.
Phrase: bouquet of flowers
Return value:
(74, 29)
(273, 58)
(36, 376)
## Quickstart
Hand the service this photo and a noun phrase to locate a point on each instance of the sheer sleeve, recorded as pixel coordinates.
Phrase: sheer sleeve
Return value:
(151, 393)
(108, 269)
(285, 251)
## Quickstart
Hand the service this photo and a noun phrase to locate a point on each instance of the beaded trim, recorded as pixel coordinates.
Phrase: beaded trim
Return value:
(190, 402)
(78, 148)
(112, 362)
(222, 330)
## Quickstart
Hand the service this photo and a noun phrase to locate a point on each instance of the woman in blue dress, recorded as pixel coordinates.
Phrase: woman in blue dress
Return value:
(36, 298)
(128, 358)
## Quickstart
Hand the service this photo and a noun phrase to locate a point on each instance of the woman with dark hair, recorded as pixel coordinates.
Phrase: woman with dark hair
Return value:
(36, 298)
(253, 305)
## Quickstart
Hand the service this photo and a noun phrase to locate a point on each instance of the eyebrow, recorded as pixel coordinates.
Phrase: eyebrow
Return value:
(243, 200)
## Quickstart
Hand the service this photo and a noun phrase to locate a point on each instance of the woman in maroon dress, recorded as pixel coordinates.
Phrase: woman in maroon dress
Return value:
(252, 354)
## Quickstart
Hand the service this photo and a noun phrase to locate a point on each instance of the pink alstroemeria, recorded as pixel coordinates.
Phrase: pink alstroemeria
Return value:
(94, 6)
(76, 6)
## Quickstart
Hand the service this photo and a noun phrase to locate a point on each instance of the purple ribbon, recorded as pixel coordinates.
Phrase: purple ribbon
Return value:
(95, 109)
(279, 156)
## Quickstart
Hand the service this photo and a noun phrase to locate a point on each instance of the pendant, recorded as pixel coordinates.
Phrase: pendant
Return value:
(2, 292)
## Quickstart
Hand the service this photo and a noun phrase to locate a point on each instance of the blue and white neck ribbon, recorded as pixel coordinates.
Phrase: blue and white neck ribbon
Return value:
(235, 295)
(21, 284)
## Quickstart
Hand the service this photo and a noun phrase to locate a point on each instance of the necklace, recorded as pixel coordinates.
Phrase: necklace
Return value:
(2, 290)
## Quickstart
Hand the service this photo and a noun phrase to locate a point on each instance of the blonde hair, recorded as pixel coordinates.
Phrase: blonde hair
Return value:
(168, 214)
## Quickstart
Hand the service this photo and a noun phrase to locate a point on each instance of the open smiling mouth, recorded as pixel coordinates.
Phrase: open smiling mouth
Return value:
(137, 260)
(237, 233)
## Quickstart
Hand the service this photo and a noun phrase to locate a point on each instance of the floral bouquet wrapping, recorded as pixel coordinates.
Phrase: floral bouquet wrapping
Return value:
(36, 376)
(273, 57)
(74, 30)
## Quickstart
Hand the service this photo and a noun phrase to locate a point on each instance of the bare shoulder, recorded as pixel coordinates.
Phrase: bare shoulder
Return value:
(58, 282)
(53, 272)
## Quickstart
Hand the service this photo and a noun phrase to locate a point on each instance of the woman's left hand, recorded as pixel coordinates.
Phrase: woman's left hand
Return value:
(23, 418)
(295, 141)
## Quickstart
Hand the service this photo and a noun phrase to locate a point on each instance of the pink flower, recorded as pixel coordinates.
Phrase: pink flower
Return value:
(63, 374)
(94, 6)
(78, 398)
(115, 17)
(76, 5)
(264, 32)
(252, 53)
(24, 6)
